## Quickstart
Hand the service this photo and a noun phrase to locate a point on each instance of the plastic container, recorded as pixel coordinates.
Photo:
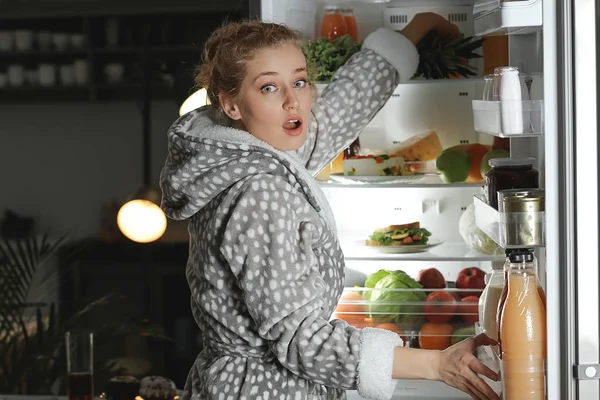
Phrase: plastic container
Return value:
(487, 118)
(433, 325)
(509, 173)
(334, 22)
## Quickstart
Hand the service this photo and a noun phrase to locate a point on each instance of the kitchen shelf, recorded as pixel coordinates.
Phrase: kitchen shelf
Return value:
(496, 224)
(43, 53)
(487, 118)
(507, 17)
(447, 251)
(427, 181)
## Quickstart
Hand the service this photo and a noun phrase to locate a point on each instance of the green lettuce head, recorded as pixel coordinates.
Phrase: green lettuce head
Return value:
(393, 301)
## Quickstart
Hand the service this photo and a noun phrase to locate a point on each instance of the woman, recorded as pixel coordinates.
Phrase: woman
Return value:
(265, 268)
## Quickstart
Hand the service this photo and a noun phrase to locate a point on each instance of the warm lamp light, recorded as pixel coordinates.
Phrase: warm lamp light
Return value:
(196, 100)
(141, 219)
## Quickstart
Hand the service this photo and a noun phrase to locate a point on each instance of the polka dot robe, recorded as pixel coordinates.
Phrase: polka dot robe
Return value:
(265, 268)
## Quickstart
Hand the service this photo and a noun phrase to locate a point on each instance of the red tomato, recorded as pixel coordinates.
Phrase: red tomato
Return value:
(440, 307)
(469, 309)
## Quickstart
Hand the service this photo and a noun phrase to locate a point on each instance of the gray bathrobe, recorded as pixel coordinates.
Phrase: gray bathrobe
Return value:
(265, 267)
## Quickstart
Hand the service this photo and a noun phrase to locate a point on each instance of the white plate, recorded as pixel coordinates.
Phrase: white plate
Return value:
(349, 179)
(409, 248)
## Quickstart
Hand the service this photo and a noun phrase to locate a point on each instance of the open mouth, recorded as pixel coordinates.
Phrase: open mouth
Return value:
(293, 125)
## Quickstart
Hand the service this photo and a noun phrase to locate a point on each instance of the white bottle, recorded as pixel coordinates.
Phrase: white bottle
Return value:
(511, 101)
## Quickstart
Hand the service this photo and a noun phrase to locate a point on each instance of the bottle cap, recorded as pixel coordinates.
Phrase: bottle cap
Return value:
(520, 257)
(334, 7)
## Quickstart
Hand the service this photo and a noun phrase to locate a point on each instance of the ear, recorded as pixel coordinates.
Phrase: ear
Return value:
(229, 107)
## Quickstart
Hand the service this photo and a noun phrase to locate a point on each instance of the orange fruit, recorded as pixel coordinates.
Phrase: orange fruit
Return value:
(352, 308)
(476, 151)
(435, 336)
(392, 327)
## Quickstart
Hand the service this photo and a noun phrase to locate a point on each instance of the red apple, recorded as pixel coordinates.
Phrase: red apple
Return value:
(440, 307)
(470, 278)
(469, 309)
(431, 278)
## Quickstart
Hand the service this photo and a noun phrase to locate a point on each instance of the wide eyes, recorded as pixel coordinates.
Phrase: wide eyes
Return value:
(271, 88)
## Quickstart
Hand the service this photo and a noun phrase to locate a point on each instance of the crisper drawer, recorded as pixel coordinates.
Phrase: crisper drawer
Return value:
(408, 389)
(432, 319)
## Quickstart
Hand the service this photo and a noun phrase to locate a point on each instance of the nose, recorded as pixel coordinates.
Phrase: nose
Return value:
(291, 101)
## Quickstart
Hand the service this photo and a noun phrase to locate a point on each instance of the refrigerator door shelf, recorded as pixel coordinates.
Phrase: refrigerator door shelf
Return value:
(503, 228)
(487, 118)
(495, 17)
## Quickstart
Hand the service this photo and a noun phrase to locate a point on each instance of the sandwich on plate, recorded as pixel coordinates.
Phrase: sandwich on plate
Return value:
(399, 235)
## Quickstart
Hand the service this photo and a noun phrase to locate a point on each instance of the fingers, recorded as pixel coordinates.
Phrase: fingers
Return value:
(481, 389)
(483, 340)
(484, 370)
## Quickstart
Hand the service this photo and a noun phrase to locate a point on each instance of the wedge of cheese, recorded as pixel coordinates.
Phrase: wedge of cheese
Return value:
(423, 147)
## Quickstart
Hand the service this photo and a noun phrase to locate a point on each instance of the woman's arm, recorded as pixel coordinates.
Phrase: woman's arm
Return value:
(363, 85)
(456, 366)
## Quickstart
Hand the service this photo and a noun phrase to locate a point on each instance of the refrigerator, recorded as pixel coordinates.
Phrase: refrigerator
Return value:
(556, 38)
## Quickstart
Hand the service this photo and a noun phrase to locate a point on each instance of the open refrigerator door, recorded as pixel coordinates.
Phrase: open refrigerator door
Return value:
(552, 45)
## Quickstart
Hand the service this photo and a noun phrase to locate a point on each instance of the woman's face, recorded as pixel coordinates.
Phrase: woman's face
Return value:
(275, 98)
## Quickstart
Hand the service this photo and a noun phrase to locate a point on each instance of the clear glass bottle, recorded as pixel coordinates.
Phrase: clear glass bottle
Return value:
(351, 26)
(334, 22)
(489, 300)
(522, 331)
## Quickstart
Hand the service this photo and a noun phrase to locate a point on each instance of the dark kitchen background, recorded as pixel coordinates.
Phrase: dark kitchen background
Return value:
(88, 89)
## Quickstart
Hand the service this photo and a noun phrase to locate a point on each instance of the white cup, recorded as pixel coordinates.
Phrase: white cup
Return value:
(67, 75)
(112, 32)
(81, 72)
(77, 40)
(47, 74)
(114, 72)
(44, 40)
(60, 41)
(32, 77)
(16, 75)
(7, 39)
(24, 40)
(3, 80)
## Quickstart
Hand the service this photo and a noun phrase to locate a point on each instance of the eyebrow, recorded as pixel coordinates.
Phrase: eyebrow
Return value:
(273, 73)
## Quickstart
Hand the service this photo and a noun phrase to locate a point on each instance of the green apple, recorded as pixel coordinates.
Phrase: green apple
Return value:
(498, 153)
(454, 166)
(463, 333)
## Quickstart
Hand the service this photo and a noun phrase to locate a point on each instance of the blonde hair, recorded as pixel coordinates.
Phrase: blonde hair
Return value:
(227, 51)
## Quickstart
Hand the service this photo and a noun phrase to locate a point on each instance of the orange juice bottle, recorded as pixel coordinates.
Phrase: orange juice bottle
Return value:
(334, 24)
(505, 292)
(523, 332)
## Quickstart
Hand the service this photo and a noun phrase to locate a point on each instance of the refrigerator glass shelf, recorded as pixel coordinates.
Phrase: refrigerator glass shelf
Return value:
(424, 181)
(508, 17)
(487, 118)
(446, 251)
